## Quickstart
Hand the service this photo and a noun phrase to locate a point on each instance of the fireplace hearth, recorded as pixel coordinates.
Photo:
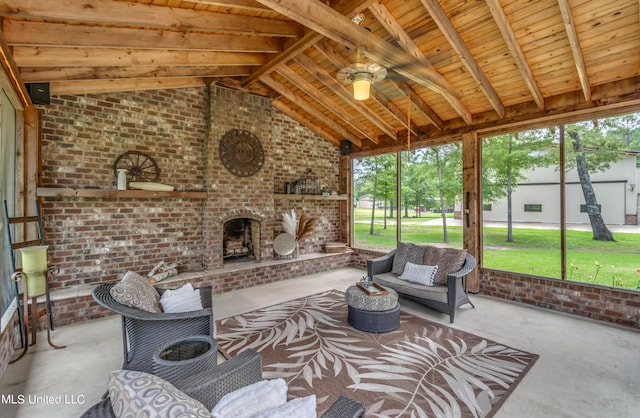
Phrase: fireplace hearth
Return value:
(241, 240)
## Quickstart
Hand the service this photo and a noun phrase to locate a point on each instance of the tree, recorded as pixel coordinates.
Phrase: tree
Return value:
(387, 183)
(447, 162)
(415, 180)
(594, 147)
(375, 176)
(627, 128)
(505, 161)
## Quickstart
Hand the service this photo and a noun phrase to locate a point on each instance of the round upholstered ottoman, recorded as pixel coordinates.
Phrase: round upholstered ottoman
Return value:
(372, 313)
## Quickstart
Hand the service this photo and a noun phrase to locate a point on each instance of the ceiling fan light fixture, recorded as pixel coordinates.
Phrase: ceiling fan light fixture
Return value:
(361, 86)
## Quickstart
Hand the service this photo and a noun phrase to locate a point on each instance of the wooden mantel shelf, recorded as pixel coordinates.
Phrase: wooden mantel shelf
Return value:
(310, 196)
(114, 194)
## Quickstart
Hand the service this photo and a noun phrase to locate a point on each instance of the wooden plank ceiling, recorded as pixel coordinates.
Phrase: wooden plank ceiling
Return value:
(453, 66)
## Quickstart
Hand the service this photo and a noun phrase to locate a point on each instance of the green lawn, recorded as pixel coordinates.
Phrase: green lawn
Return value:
(534, 251)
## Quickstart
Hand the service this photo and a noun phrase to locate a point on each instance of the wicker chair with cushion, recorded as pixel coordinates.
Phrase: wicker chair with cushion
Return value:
(444, 291)
(209, 387)
(144, 332)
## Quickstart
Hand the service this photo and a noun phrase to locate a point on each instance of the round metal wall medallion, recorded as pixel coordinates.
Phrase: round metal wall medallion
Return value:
(241, 152)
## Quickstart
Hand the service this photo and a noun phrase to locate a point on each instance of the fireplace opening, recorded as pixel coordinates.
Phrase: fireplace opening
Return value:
(240, 239)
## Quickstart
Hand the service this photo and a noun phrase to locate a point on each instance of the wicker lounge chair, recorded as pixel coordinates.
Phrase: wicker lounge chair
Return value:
(211, 385)
(144, 332)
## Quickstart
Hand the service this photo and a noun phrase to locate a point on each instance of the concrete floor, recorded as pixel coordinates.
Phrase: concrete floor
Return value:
(585, 369)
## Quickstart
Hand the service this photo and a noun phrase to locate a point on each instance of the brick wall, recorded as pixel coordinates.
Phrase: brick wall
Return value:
(619, 306)
(98, 239)
(602, 303)
(9, 338)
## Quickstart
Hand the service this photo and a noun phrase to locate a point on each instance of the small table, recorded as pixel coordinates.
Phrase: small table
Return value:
(184, 357)
(372, 313)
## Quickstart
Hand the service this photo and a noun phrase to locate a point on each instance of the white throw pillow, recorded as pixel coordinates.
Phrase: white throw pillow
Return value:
(184, 299)
(139, 394)
(296, 408)
(251, 400)
(419, 273)
(184, 290)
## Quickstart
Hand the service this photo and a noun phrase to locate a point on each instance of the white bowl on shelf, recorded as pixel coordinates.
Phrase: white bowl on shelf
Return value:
(151, 186)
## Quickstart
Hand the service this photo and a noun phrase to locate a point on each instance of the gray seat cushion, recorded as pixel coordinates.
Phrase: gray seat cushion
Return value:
(436, 292)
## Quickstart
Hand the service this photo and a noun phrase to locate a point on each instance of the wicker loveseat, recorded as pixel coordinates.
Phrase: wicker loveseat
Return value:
(144, 332)
(446, 296)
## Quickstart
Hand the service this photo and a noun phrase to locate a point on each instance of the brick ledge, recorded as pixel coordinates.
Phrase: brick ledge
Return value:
(234, 267)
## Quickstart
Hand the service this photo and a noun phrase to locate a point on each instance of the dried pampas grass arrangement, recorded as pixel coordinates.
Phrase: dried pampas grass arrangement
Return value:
(306, 225)
(298, 228)
(290, 223)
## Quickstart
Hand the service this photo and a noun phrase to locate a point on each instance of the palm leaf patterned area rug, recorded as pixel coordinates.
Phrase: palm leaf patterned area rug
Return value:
(423, 369)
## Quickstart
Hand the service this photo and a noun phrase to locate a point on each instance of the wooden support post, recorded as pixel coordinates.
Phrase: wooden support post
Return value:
(472, 204)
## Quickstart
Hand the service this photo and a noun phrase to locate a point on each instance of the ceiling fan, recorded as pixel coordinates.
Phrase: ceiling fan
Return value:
(362, 75)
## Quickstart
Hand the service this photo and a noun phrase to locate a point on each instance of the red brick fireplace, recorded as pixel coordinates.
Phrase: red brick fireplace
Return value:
(94, 239)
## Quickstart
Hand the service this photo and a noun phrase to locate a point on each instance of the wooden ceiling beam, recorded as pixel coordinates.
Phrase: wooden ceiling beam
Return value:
(325, 20)
(289, 53)
(404, 40)
(60, 88)
(311, 91)
(395, 111)
(106, 57)
(259, 89)
(305, 42)
(345, 94)
(572, 34)
(22, 33)
(250, 5)
(120, 13)
(420, 104)
(455, 40)
(302, 120)
(301, 103)
(516, 52)
(41, 74)
(341, 62)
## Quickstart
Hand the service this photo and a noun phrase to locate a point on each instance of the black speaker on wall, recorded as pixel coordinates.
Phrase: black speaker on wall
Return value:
(345, 147)
(39, 93)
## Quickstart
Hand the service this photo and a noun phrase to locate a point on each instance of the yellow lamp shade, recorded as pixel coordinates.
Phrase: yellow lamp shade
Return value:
(34, 258)
(36, 283)
(34, 266)
(361, 89)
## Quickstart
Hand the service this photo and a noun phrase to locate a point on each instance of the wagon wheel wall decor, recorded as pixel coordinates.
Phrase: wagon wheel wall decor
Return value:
(139, 166)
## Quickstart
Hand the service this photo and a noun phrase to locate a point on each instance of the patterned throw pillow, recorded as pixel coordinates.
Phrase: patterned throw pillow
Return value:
(139, 394)
(135, 291)
(419, 273)
(448, 260)
(406, 253)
